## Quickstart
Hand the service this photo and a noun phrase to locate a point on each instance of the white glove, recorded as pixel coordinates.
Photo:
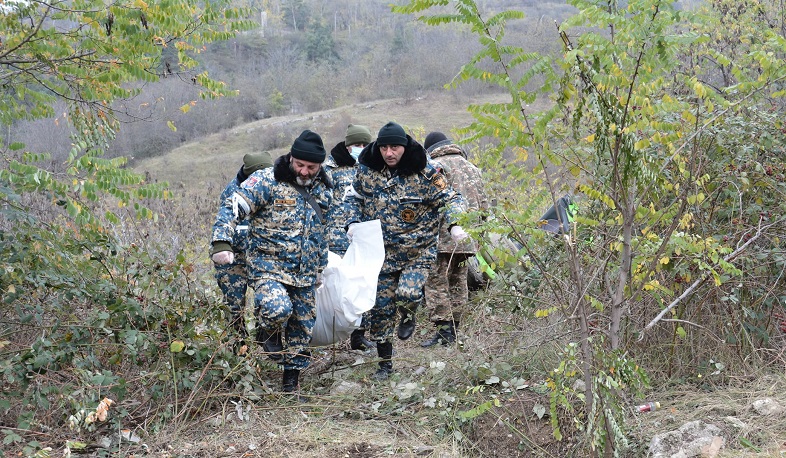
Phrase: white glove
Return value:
(351, 231)
(223, 257)
(458, 234)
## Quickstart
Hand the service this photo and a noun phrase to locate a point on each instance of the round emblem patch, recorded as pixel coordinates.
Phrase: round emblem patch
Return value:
(408, 215)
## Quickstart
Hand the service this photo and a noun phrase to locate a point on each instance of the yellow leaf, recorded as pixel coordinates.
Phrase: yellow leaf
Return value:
(171, 126)
(664, 260)
(641, 144)
(11, 289)
(590, 138)
(651, 285)
(522, 154)
(177, 346)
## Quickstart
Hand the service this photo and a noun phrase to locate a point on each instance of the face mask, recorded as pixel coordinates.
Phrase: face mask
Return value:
(355, 151)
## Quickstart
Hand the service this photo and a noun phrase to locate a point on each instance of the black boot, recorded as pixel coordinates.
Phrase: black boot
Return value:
(291, 386)
(385, 352)
(271, 343)
(358, 341)
(407, 324)
(445, 335)
(291, 383)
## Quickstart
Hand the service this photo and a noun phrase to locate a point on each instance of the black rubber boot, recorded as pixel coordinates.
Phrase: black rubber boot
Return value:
(407, 324)
(290, 385)
(445, 335)
(385, 352)
(291, 382)
(358, 341)
(271, 343)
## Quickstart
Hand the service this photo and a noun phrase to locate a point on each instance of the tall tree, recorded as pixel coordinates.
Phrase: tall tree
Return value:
(90, 54)
(630, 127)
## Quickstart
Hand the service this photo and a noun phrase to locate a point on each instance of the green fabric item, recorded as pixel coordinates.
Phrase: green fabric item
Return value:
(357, 134)
(256, 161)
(220, 246)
(485, 267)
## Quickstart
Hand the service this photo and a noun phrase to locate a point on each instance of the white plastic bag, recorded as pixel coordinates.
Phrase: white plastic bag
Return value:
(349, 285)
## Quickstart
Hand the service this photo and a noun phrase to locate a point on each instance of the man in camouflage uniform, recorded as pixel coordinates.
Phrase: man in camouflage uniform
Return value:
(287, 247)
(341, 165)
(231, 277)
(446, 288)
(395, 184)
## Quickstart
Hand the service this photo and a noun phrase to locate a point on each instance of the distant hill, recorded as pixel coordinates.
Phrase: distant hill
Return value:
(216, 158)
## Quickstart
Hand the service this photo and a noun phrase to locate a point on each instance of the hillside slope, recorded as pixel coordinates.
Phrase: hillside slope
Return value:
(195, 163)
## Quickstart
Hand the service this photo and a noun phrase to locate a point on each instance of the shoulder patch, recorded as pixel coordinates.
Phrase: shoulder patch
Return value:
(439, 181)
(250, 182)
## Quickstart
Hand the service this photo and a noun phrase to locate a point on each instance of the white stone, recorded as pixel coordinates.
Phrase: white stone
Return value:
(767, 406)
(685, 442)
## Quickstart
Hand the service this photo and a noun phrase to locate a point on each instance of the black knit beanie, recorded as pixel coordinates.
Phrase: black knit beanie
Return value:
(433, 137)
(308, 147)
(391, 134)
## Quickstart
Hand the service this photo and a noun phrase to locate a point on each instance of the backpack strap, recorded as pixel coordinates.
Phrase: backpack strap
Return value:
(311, 201)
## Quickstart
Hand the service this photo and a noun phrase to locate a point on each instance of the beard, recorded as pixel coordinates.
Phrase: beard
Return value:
(304, 181)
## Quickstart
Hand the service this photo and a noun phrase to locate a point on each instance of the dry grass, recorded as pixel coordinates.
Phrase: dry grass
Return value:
(376, 419)
(217, 157)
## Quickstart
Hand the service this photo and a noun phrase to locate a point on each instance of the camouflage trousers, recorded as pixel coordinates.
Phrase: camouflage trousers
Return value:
(394, 289)
(291, 310)
(446, 288)
(231, 279)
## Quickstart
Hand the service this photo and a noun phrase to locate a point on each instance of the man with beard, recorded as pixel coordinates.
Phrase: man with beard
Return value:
(396, 184)
(286, 206)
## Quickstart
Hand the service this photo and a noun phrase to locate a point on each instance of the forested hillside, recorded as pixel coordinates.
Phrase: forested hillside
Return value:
(661, 121)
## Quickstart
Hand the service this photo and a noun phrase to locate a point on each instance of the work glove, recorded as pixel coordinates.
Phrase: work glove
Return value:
(223, 257)
(458, 234)
(351, 231)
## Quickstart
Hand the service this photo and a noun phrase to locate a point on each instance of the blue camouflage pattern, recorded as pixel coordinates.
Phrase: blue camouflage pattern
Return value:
(291, 310)
(287, 250)
(395, 289)
(342, 177)
(409, 208)
(286, 241)
(231, 278)
(410, 202)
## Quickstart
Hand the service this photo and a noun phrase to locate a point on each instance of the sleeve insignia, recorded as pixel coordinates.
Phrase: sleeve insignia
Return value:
(250, 182)
(440, 182)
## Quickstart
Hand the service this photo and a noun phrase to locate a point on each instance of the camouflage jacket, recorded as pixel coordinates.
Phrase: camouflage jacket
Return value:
(341, 167)
(407, 200)
(287, 242)
(465, 178)
(240, 236)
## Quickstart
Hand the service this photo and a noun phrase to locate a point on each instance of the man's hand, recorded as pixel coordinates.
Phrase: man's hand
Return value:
(319, 280)
(458, 234)
(223, 257)
(351, 231)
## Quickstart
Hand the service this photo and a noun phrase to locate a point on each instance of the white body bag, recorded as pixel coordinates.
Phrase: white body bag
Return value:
(349, 285)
